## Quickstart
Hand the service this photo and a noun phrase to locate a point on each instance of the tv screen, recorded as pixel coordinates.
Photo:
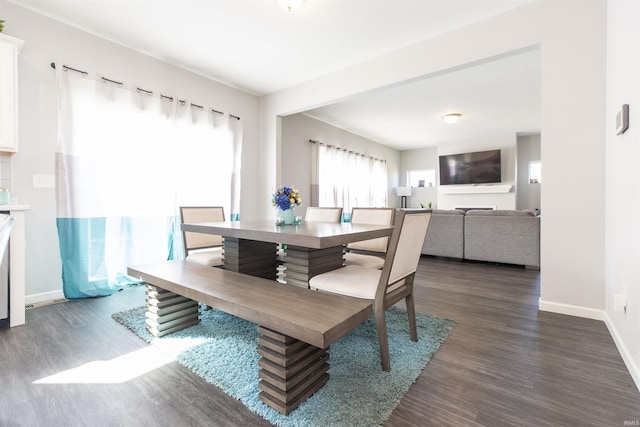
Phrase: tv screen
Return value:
(482, 167)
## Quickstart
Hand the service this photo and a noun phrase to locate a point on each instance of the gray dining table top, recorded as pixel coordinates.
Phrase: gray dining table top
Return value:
(314, 235)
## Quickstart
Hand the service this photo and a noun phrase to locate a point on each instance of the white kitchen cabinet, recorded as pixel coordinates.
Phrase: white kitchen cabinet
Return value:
(9, 50)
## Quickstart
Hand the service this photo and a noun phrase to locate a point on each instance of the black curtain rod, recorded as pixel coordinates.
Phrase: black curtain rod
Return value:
(104, 79)
(148, 92)
(84, 73)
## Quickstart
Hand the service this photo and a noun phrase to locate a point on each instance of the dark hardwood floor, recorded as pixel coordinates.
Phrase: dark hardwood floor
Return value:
(504, 364)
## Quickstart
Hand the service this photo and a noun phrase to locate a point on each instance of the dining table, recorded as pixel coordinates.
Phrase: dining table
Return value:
(291, 254)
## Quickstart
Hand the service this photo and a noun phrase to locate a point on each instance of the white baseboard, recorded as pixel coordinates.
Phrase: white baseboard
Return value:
(624, 351)
(43, 297)
(571, 310)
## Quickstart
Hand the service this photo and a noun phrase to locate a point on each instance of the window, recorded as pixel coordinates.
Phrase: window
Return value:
(421, 178)
(535, 172)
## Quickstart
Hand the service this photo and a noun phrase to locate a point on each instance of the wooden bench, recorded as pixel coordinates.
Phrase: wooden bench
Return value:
(297, 325)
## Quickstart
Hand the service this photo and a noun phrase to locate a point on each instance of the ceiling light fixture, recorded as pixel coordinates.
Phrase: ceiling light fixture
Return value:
(289, 5)
(451, 118)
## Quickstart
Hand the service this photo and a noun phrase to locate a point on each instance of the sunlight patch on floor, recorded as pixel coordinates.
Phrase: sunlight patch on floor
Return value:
(126, 367)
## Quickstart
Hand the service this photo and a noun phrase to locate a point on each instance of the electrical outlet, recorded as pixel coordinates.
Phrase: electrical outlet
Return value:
(44, 181)
(620, 302)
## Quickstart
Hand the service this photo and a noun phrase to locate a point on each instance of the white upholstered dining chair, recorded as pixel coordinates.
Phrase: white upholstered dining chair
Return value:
(316, 214)
(385, 287)
(369, 253)
(202, 248)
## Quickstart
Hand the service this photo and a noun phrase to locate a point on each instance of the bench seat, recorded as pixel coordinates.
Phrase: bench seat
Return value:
(290, 319)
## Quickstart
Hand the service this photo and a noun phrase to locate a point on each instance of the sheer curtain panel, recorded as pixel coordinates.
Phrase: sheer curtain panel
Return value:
(347, 179)
(125, 161)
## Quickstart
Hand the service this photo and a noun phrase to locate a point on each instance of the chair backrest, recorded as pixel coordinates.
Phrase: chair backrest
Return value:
(196, 214)
(405, 246)
(377, 216)
(315, 214)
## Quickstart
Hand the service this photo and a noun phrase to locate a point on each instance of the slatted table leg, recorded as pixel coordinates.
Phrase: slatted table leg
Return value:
(168, 312)
(301, 264)
(251, 257)
(291, 370)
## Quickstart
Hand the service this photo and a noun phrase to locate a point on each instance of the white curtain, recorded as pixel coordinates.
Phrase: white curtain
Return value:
(378, 183)
(125, 162)
(348, 179)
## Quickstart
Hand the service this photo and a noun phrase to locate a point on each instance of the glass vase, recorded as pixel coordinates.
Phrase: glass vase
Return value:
(285, 217)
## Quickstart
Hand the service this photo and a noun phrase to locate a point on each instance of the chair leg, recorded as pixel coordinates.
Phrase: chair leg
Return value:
(411, 312)
(381, 324)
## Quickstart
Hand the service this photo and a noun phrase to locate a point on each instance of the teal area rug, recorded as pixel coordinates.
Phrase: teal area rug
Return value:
(359, 393)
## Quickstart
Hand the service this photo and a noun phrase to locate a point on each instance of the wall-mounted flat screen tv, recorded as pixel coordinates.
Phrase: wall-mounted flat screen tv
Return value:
(481, 167)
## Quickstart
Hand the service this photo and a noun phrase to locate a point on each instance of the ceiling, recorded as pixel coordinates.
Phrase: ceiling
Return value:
(497, 97)
(256, 46)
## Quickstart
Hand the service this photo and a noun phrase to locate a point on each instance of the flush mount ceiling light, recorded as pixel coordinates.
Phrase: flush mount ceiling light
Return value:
(289, 5)
(451, 118)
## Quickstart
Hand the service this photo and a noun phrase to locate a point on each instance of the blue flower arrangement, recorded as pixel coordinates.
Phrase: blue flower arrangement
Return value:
(285, 197)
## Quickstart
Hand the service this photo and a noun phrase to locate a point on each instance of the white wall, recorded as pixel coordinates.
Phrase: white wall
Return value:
(527, 194)
(573, 100)
(48, 41)
(572, 39)
(623, 181)
(298, 129)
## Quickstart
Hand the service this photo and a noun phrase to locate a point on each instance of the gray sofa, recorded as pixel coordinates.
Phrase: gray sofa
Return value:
(504, 236)
(445, 234)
